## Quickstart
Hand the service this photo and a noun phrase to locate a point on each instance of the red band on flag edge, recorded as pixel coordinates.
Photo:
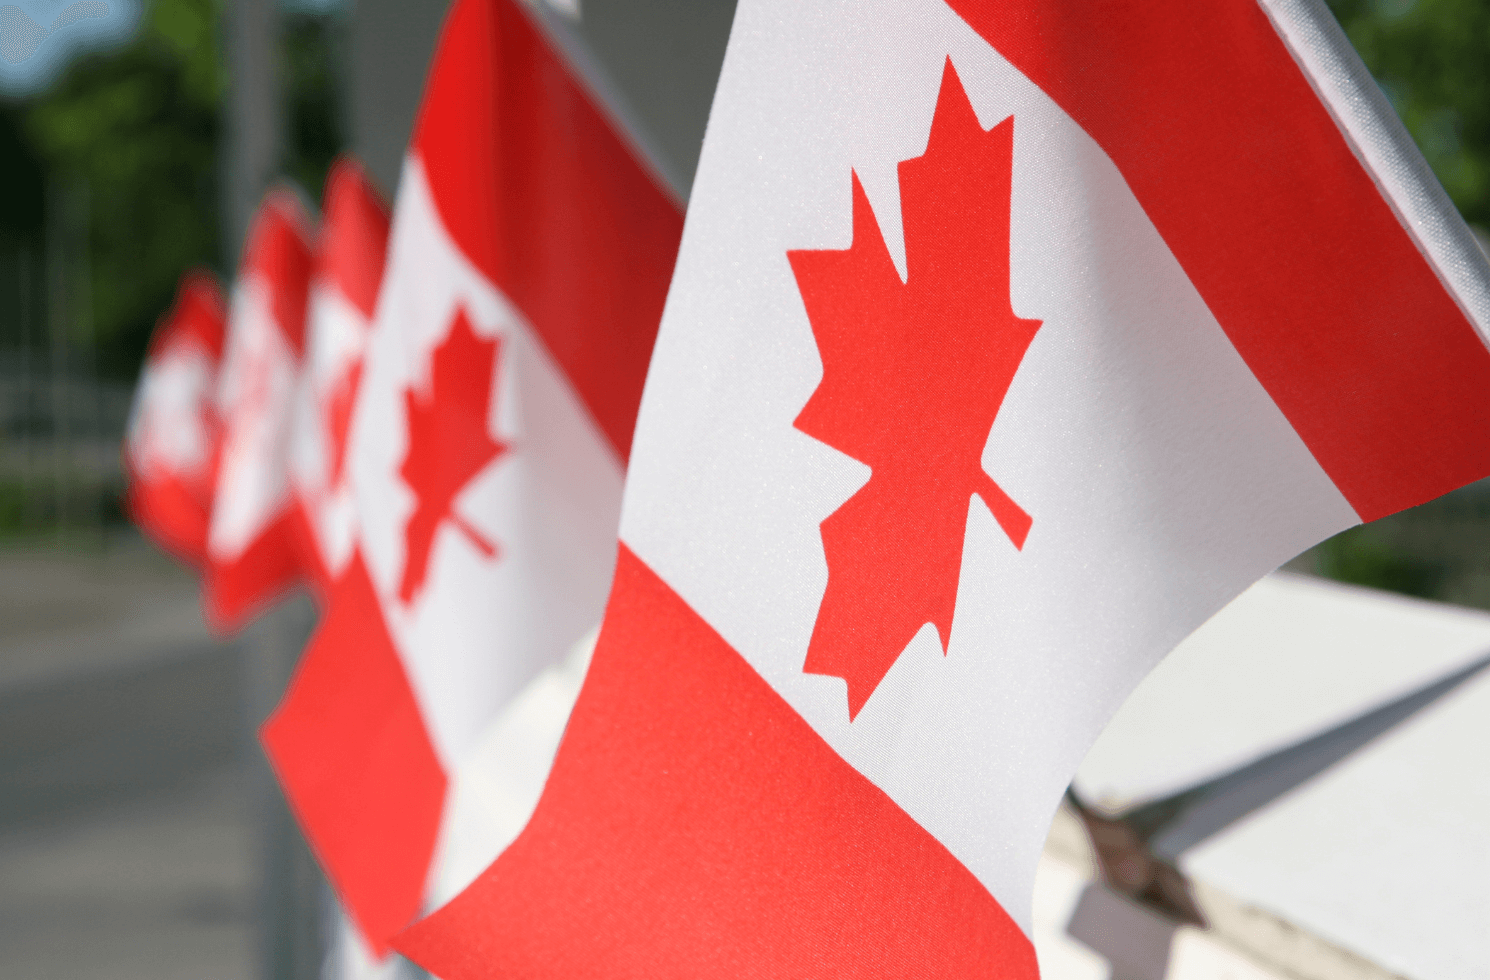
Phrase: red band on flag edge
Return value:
(278, 250)
(170, 513)
(234, 592)
(532, 183)
(354, 215)
(694, 825)
(354, 758)
(198, 316)
(1262, 199)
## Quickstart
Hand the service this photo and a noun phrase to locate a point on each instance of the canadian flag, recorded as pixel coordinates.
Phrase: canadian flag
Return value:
(343, 293)
(1008, 342)
(170, 445)
(253, 547)
(528, 263)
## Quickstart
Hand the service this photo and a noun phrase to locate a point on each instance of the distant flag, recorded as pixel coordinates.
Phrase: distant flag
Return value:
(350, 251)
(1008, 342)
(170, 448)
(253, 548)
(528, 263)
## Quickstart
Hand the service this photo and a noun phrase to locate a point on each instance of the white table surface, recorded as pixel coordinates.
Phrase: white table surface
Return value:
(1386, 853)
(1291, 658)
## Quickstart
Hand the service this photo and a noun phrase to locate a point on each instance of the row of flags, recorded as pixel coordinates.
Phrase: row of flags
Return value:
(1006, 343)
(425, 420)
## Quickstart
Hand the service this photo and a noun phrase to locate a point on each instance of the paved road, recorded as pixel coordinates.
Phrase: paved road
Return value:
(126, 848)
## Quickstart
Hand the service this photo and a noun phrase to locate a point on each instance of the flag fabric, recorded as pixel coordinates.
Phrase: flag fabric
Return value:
(253, 548)
(170, 446)
(528, 262)
(494, 791)
(350, 250)
(1008, 342)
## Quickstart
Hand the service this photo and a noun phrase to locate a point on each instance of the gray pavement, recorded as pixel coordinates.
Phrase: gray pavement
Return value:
(158, 886)
(126, 845)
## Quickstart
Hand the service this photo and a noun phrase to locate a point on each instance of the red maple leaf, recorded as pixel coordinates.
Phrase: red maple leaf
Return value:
(914, 373)
(448, 443)
(338, 417)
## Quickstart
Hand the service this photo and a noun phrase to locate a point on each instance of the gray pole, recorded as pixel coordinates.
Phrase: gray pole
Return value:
(24, 277)
(665, 55)
(253, 120)
(57, 311)
(391, 42)
(81, 211)
(288, 906)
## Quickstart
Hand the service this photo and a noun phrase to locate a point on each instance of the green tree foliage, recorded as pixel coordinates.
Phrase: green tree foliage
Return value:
(22, 178)
(1432, 58)
(140, 126)
(311, 50)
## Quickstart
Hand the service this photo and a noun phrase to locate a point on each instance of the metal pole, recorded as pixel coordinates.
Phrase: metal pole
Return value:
(80, 212)
(665, 55)
(253, 121)
(56, 221)
(390, 43)
(288, 905)
(23, 284)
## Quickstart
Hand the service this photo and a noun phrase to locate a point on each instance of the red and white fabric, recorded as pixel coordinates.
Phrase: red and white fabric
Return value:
(350, 251)
(170, 446)
(528, 263)
(1008, 342)
(253, 547)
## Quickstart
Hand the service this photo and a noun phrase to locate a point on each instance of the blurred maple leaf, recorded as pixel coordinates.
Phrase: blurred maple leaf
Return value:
(914, 374)
(449, 444)
(337, 414)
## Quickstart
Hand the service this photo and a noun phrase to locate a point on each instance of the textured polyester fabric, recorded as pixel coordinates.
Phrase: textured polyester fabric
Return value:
(1008, 341)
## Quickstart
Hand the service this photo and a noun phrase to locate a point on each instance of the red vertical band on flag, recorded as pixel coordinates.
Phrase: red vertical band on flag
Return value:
(1282, 230)
(234, 591)
(354, 758)
(279, 252)
(549, 203)
(172, 513)
(197, 317)
(695, 826)
(354, 235)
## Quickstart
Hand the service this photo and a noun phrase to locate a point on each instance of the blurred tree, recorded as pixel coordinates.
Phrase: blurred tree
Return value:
(20, 228)
(1432, 58)
(21, 176)
(140, 126)
(313, 51)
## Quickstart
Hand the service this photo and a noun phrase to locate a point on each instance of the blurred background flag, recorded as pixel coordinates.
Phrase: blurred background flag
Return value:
(171, 445)
(1008, 343)
(253, 549)
(528, 262)
(350, 250)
